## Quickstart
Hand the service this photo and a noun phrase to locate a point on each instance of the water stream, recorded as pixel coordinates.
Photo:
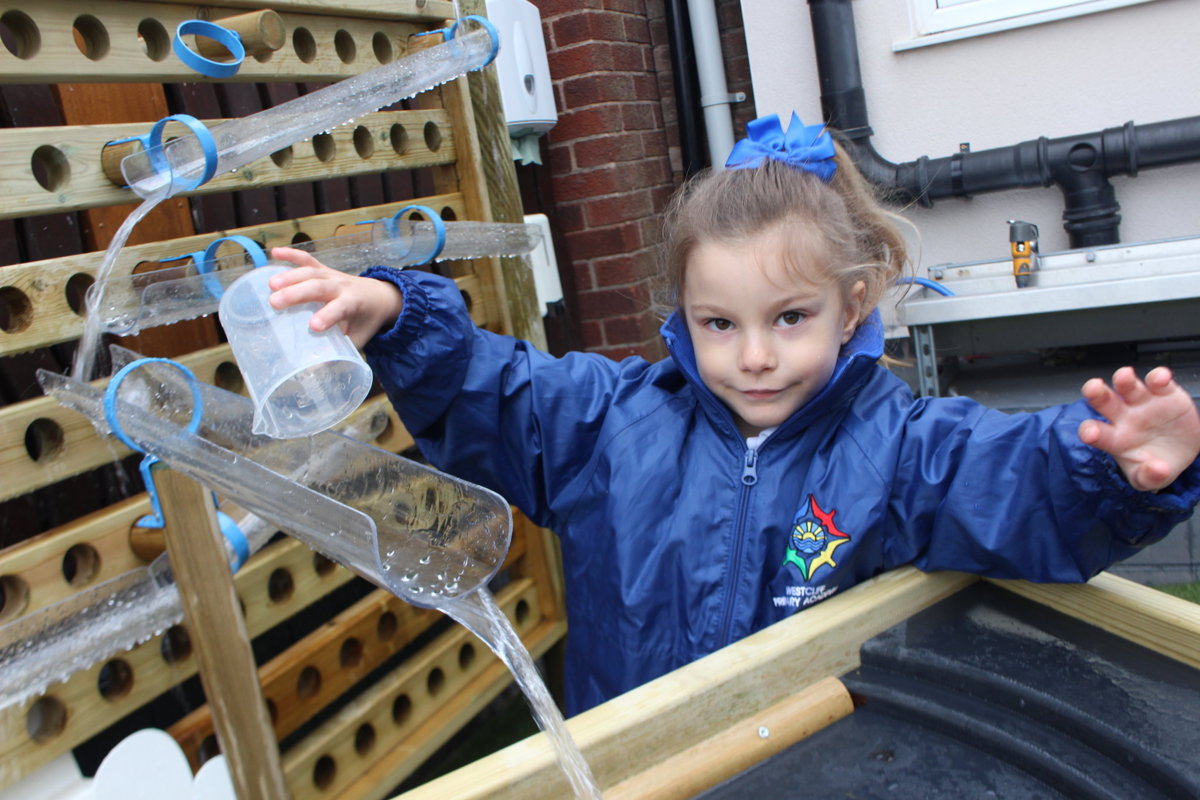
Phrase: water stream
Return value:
(478, 612)
(89, 341)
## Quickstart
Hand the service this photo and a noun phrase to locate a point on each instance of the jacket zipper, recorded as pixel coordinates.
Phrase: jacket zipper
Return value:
(749, 478)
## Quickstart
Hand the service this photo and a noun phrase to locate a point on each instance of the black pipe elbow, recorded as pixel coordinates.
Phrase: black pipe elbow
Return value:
(1079, 165)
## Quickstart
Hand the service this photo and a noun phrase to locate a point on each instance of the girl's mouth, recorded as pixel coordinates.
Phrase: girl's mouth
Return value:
(760, 394)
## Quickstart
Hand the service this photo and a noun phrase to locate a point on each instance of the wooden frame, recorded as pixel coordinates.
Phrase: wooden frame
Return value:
(706, 722)
(50, 168)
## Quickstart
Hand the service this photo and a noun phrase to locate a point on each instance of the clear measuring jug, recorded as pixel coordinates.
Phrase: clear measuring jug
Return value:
(301, 382)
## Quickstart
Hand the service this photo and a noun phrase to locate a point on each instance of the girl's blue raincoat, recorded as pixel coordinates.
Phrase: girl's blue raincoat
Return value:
(679, 539)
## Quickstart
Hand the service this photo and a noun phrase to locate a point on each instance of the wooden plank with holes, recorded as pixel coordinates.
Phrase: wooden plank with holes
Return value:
(67, 41)
(72, 446)
(427, 10)
(329, 661)
(37, 731)
(415, 710)
(42, 288)
(66, 168)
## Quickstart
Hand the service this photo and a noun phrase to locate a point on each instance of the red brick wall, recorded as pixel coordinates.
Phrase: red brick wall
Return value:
(614, 158)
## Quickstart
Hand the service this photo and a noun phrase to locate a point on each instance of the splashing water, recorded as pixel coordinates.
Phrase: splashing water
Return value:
(478, 612)
(89, 342)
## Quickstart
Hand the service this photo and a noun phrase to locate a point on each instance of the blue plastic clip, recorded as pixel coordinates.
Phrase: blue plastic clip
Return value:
(152, 143)
(233, 534)
(228, 39)
(205, 260)
(449, 32)
(391, 224)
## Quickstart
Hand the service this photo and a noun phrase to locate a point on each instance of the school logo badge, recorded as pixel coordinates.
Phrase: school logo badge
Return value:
(814, 540)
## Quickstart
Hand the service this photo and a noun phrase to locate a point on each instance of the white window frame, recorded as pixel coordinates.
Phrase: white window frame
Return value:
(937, 21)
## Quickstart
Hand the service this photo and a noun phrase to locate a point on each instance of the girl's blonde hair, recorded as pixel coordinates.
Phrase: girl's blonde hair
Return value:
(863, 239)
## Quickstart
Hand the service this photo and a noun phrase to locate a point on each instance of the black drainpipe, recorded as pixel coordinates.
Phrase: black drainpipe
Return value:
(688, 112)
(1080, 165)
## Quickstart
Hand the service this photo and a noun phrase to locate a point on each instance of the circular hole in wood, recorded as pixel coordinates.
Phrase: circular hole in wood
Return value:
(20, 34)
(50, 168)
(301, 237)
(229, 377)
(80, 564)
(401, 709)
(324, 147)
(283, 158)
(324, 772)
(46, 719)
(76, 291)
(156, 42)
(280, 585)
(91, 37)
(209, 747)
(343, 43)
(323, 565)
(304, 44)
(309, 682)
(43, 439)
(448, 213)
(522, 612)
(466, 656)
(399, 139)
(351, 654)
(433, 136)
(364, 142)
(382, 45)
(467, 301)
(364, 738)
(176, 644)
(387, 626)
(14, 596)
(115, 679)
(16, 311)
(435, 681)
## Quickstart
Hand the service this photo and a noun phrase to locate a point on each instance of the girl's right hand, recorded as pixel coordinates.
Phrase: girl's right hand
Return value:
(360, 306)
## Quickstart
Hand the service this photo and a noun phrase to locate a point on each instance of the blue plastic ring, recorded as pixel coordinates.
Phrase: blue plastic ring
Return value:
(206, 264)
(154, 147)
(222, 36)
(236, 538)
(110, 399)
(491, 29)
(439, 228)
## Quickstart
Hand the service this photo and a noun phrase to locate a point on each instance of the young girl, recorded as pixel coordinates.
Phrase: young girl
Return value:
(770, 462)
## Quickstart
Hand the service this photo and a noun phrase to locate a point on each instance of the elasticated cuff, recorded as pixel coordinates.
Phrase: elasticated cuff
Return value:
(414, 312)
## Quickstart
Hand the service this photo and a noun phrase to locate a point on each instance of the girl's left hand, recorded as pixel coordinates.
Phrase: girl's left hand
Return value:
(1153, 428)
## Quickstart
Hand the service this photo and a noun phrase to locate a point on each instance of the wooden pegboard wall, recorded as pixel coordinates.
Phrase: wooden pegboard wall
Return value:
(57, 208)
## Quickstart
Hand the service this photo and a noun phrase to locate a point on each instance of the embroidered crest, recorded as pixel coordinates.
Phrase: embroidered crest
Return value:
(814, 539)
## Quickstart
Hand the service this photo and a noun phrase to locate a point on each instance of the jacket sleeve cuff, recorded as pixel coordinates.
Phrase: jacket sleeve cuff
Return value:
(414, 312)
(1180, 496)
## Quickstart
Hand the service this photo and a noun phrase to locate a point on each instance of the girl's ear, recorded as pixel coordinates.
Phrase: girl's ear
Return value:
(852, 314)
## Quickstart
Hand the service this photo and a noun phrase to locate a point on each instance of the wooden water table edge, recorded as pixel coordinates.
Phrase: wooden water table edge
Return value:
(706, 722)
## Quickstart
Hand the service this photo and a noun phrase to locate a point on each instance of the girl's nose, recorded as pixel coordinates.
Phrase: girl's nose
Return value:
(758, 354)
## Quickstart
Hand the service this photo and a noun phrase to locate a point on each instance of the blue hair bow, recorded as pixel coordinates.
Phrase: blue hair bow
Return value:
(804, 147)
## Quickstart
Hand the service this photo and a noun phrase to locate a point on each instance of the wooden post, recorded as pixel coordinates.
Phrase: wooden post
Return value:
(261, 32)
(214, 621)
